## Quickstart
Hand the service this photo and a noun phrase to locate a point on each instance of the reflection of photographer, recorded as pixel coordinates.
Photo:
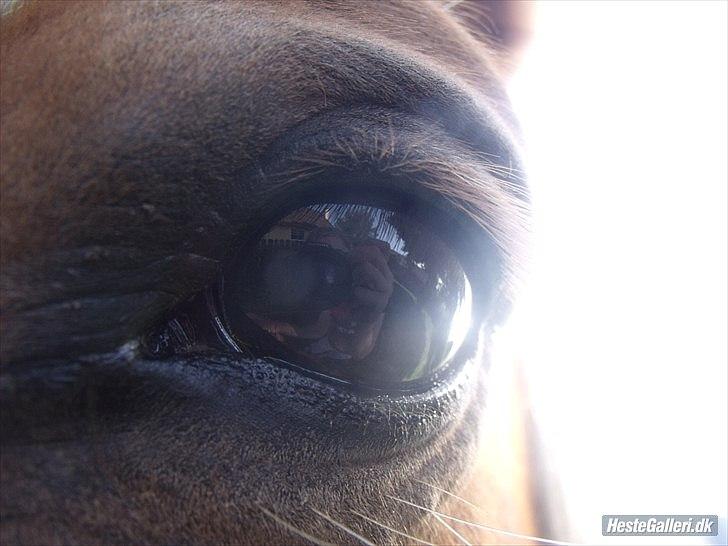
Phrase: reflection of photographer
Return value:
(329, 290)
(352, 327)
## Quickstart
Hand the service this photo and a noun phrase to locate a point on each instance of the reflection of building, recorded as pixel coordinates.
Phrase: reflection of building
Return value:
(295, 228)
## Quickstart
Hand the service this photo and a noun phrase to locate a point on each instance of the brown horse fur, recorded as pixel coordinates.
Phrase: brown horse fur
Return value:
(139, 141)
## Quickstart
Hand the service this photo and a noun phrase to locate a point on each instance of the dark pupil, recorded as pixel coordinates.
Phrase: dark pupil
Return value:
(359, 293)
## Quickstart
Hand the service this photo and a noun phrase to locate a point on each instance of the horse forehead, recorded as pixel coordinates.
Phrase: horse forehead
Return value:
(416, 28)
(105, 75)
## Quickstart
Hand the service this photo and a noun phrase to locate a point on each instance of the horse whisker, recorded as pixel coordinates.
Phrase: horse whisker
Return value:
(293, 529)
(395, 531)
(449, 527)
(344, 528)
(486, 527)
(453, 495)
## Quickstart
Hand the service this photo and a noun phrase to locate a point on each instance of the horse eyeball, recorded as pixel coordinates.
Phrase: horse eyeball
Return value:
(363, 294)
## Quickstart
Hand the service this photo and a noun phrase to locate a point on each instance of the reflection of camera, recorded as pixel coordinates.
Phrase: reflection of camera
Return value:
(295, 284)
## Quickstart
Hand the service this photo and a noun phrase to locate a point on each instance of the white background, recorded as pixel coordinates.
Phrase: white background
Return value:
(623, 326)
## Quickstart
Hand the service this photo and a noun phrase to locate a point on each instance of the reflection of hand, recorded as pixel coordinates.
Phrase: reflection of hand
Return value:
(281, 329)
(276, 328)
(357, 334)
(373, 280)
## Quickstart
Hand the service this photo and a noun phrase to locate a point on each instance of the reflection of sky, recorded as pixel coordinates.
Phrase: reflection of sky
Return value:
(384, 231)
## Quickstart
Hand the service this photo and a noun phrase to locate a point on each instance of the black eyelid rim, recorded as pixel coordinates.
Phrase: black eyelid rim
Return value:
(366, 390)
(378, 196)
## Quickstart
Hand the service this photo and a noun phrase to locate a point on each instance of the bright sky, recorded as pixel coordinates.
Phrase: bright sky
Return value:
(624, 324)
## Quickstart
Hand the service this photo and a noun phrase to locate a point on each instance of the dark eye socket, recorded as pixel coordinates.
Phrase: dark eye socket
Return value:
(365, 294)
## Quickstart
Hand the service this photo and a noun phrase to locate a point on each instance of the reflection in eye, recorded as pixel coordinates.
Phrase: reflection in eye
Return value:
(359, 293)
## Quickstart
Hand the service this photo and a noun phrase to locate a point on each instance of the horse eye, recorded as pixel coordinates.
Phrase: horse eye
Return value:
(363, 294)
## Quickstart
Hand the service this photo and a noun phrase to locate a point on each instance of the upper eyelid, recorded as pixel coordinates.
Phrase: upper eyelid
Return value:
(488, 189)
